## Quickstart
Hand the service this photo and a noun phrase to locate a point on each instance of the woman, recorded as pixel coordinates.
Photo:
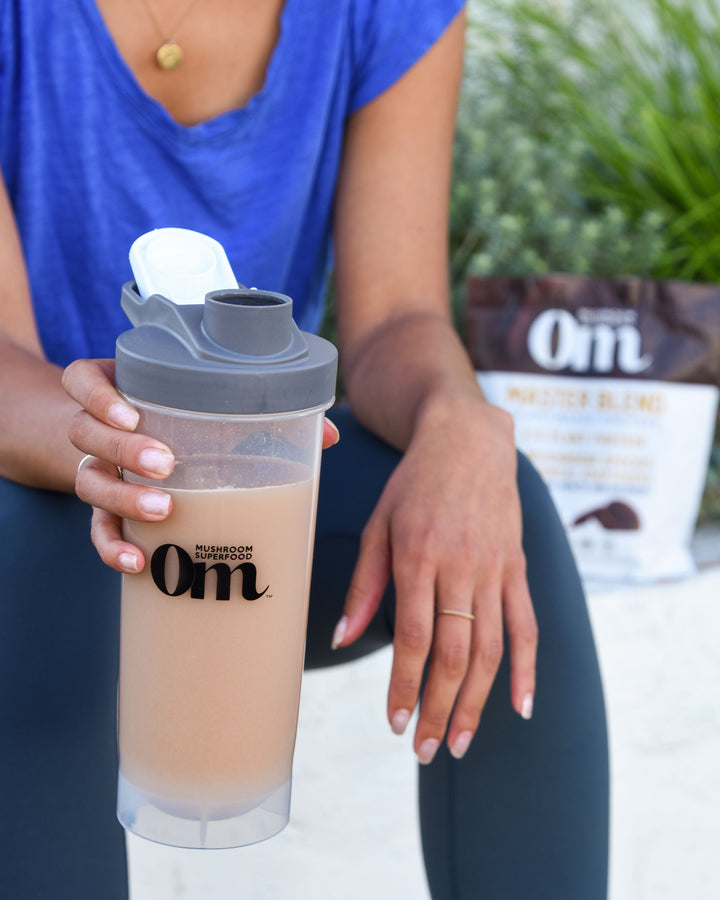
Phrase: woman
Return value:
(290, 131)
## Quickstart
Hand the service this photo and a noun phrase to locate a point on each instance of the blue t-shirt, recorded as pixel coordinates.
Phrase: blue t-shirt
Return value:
(91, 161)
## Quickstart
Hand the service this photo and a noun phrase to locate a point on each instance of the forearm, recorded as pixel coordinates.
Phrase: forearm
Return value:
(411, 368)
(398, 348)
(34, 446)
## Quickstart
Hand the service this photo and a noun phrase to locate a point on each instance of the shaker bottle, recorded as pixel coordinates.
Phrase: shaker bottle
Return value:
(213, 628)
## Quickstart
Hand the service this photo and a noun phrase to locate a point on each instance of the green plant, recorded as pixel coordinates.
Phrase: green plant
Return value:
(638, 84)
(517, 207)
(588, 142)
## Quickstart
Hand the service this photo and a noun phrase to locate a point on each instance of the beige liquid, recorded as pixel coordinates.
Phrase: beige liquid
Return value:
(209, 689)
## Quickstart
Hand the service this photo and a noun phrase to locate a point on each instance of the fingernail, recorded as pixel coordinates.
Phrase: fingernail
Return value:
(154, 503)
(339, 633)
(427, 751)
(526, 710)
(128, 561)
(335, 429)
(460, 746)
(123, 416)
(159, 462)
(399, 721)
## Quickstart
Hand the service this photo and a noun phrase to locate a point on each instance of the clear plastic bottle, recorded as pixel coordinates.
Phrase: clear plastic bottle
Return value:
(213, 629)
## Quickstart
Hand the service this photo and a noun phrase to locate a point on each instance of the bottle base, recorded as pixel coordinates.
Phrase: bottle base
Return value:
(193, 826)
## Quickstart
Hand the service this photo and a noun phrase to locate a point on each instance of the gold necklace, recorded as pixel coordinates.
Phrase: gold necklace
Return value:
(169, 54)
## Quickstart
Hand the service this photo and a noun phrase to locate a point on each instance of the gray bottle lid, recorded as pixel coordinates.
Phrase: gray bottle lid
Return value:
(239, 352)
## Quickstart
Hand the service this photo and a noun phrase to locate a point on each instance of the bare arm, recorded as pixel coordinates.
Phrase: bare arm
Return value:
(34, 446)
(447, 526)
(391, 247)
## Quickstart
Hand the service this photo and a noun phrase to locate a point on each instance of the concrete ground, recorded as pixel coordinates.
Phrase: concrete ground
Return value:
(354, 837)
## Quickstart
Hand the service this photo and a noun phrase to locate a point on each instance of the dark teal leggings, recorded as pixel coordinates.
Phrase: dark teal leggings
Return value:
(523, 817)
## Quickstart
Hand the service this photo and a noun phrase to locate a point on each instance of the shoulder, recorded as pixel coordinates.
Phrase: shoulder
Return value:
(40, 34)
(388, 36)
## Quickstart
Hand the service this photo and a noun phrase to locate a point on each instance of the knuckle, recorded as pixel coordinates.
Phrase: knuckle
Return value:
(413, 635)
(74, 428)
(95, 398)
(80, 490)
(77, 429)
(69, 373)
(424, 553)
(405, 686)
(528, 633)
(66, 374)
(117, 494)
(517, 561)
(505, 419)
(414, 541)
(85, 488)
(491, 652)
(452, 659)
(97, 533)
(434, 719)
(116, 448)
(413, 558)
(491, 558)
(102, 537)
(522, 623)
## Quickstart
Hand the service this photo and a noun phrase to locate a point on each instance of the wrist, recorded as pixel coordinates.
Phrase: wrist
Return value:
(465, 410)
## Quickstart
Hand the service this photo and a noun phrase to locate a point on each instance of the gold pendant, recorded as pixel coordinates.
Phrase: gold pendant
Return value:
(169, 55)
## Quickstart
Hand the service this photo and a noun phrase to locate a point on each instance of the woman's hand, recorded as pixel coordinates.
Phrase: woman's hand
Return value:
(105, 430)
(448, 528)
(448, 524)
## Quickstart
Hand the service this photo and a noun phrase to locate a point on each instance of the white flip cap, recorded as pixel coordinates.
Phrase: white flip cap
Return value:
(180, 264)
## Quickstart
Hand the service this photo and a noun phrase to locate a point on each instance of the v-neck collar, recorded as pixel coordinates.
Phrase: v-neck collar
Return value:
(151, 112)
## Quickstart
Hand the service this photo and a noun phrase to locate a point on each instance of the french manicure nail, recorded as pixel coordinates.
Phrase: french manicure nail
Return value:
(159, 462)
(123, 416)
(154, 503)
(399, 721)
(128, 561)
(339, 633)
(526, 710)
(428, 749)
(460, 746)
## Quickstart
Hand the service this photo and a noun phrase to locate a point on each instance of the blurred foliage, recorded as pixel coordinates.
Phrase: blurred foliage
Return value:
(517, 207)
(637, 83)
(588, 142)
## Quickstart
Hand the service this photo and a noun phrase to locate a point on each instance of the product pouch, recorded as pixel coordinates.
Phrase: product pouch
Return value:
(613, 387)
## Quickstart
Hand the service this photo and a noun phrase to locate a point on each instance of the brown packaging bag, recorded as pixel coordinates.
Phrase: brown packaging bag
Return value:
(613, 386)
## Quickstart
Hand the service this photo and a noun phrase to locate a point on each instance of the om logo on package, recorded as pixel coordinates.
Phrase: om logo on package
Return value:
(598, 340)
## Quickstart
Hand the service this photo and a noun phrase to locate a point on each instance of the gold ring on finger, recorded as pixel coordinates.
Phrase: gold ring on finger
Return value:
(455, 612)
